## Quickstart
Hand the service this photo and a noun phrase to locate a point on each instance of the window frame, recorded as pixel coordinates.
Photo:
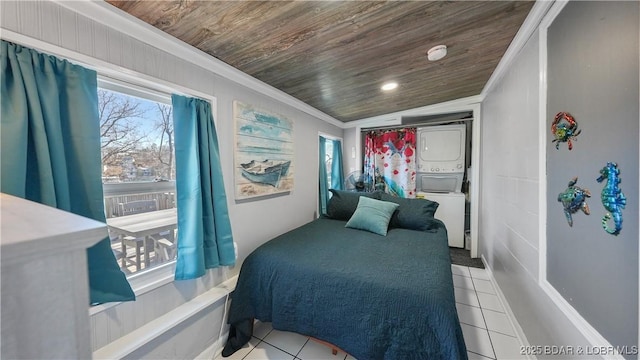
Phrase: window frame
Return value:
(328, 163)
(136, 187)
(112, 73)
(332, 138)
(144, 281)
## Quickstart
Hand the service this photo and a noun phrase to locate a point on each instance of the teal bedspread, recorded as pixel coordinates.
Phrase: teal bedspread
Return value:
(374, 297)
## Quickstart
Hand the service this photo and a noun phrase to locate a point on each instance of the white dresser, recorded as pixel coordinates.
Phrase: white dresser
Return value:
(45, 292)
(451, 212)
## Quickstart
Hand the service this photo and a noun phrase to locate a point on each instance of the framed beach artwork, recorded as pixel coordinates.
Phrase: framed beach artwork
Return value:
(263, 152)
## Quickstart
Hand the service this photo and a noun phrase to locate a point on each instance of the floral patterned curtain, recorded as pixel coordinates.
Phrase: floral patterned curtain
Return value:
(389, 161)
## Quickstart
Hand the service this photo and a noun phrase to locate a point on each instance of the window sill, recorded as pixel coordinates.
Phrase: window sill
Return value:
(143, 283)
(146, 334)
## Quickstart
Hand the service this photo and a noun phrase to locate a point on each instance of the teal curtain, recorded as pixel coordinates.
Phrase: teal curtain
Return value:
(50, 149)
(324, 186)
(204, 229)
(337, 176)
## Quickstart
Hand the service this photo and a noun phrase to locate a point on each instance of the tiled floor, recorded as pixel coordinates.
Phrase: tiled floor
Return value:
(487, 331)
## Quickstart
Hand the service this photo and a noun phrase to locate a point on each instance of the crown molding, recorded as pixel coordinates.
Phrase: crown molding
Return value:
(529, 26)
(395, 118)
(112, 17)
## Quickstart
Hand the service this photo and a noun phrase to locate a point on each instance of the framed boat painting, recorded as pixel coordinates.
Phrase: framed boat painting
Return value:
(263, 152)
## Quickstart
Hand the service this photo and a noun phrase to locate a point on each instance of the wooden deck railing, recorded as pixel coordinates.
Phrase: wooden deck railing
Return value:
(163, 192)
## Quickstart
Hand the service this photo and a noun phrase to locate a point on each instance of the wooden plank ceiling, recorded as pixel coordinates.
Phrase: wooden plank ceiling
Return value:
(335, 55)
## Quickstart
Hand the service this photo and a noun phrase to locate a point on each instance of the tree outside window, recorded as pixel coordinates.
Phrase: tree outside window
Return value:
(136, 138)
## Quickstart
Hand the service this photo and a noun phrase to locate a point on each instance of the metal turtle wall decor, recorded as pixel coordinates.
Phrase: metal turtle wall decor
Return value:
(574, 198)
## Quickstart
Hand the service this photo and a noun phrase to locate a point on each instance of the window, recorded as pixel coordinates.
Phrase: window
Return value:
(328, 151)
(331, 174)
(138, 174)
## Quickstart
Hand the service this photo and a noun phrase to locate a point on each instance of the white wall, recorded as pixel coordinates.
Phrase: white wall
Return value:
(514, 225)
(577, 43)
(351, 142)
(509, 215)
(253, 222)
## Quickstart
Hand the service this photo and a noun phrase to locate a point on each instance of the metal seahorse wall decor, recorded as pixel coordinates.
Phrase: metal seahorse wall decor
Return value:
(574, 198)
(612, 197)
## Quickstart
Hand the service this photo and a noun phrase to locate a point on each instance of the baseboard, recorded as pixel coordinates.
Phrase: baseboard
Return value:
(214, 350)
(595, 339)
(145, 334)
(505, 304)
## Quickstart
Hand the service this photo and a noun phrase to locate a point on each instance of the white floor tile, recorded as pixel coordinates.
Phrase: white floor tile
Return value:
(313, 350)
(460, 270)
(463, 282)
(286, 341)
(467, 297)
(261, 329)
(484, 286)
(470, 315)
(265, 351)
(477, 340)
(478, 273)
(489, 301)
(506, 347)
(499, 322)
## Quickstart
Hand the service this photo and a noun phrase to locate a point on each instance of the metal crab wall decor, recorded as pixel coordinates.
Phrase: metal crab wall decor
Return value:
(564, 129)
(612, 197)
(574, 198)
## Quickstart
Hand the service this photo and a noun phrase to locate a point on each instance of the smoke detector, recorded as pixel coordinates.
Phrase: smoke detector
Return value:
(437, 52)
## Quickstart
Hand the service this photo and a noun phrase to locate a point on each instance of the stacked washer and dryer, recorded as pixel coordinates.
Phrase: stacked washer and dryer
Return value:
(441, 169)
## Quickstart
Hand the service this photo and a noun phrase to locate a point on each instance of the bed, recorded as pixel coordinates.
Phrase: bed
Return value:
(374, 296)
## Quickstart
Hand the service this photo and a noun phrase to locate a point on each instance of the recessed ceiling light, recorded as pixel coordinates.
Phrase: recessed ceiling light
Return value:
(437, 52)
(389, 86)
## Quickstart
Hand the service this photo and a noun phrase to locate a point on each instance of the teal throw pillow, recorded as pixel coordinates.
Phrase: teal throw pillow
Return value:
(372, 215)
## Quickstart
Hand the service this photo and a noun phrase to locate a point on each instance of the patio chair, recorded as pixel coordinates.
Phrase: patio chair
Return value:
(164, 249)
(125, 260)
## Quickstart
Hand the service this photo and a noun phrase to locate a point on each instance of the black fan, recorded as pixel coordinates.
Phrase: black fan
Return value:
(356, 181)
